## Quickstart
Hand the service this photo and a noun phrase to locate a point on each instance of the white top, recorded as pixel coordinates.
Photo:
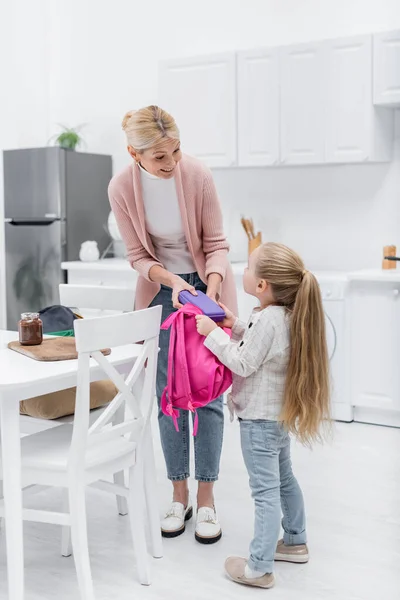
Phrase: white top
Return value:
(164, 223)
(257, 355)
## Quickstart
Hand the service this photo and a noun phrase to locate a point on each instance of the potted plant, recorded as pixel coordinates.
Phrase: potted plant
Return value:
(69, 138)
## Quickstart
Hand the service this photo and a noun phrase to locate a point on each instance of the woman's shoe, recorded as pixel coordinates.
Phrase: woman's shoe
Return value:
(208, 528)
(174, 522)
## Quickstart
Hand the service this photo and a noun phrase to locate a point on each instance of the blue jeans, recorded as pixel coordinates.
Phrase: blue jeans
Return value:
(266, 453)
(176, 445)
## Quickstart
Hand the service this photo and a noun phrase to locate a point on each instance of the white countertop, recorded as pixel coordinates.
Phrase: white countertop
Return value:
(122, 265)
(115, 264)
(383, 275)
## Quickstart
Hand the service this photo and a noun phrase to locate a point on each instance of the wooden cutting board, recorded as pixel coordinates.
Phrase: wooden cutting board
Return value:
(57, 348)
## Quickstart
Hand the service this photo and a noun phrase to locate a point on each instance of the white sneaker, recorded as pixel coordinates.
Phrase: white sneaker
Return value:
(208, 529)
(173, 524)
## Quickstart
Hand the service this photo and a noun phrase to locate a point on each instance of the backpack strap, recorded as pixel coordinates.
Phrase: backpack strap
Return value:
(166, 403)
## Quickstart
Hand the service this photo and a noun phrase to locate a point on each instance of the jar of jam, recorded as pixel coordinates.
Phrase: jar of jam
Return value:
(30, 329)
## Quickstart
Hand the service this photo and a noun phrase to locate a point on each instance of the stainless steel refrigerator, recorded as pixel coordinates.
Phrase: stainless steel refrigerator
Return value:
(54, 200)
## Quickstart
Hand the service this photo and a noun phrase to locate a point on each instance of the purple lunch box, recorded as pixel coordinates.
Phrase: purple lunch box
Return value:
(209, 307)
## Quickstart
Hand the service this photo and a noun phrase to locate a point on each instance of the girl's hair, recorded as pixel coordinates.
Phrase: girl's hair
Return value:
(148, 126)
(306, 404)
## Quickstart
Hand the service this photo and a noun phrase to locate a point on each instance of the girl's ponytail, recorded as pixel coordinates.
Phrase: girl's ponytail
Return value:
(307, 392)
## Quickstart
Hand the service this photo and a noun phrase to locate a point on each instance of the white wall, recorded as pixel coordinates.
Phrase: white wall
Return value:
(24, 97)
(88, 61)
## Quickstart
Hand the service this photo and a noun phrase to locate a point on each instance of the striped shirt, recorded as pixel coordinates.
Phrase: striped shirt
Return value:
(258, 356)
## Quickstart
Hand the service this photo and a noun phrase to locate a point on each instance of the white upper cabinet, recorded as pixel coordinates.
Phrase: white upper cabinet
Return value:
(355, 130)
(302, 118)
(349, 99)
(324, 102)
(387, 68)
(200, 93)
(258, 107)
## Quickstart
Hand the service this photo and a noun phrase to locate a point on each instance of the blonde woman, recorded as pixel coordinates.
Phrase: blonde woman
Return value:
(280, 386)
(169, 216)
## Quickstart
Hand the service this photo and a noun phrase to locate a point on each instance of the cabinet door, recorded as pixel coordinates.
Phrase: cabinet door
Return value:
(387, 68)
(375, 345)
(302, 104)
(200, 93)
(349, 118)
(258, 107)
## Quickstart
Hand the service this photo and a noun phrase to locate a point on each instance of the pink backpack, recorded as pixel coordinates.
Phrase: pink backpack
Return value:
(195, 375)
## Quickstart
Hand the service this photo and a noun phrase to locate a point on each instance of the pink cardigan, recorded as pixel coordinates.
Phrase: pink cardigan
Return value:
(202, 223)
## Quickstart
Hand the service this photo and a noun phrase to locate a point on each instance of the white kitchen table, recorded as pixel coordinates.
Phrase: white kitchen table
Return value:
(22, 378)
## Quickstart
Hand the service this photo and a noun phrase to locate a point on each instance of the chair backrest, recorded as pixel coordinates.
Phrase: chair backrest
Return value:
(96, 297)
(130, 410)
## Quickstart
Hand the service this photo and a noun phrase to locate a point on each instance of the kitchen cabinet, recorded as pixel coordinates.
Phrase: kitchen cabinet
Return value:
(258, 107)
(306, 104)
(386, 68)
(356, 131)
(375, 344)
(200, 93)
(302, 116)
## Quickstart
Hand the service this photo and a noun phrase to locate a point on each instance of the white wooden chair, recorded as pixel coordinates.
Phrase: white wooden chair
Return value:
(100, 297)
(83, 297)
(75, 455)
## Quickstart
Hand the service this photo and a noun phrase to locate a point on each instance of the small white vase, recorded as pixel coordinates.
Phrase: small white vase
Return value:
(89, 252)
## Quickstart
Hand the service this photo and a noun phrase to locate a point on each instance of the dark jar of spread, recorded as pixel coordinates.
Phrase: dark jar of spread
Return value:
(30, 329)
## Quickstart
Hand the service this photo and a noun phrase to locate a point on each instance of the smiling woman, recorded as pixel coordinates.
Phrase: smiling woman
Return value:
(169, 217)
(153, 139)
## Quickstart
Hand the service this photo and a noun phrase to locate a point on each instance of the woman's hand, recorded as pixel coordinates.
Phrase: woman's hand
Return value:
(214, 286)
(230, 318)
(205, 325)
(178, 285)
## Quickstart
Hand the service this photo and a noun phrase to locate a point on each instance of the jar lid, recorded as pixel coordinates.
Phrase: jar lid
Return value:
(29, 316)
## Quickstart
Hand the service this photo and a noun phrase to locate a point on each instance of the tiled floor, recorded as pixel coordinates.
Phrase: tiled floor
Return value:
(352, 491)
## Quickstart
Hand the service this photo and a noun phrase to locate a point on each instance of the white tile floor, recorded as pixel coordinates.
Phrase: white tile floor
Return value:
(352, 491)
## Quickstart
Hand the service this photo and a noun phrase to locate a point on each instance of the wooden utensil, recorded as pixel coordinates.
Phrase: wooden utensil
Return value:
(389, 251)
(254, 242)
(246, 227)
(251, 225)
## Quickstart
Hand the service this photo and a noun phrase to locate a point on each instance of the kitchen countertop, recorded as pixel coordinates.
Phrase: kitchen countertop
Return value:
(122, 265)
(378, 275)
(116, 264)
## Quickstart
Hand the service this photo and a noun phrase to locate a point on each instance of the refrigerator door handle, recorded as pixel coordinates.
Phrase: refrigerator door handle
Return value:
(28, 223)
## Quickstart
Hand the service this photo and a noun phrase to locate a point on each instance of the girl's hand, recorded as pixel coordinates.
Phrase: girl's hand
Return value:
(205, 325)
(230, 318)
(178, 285)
